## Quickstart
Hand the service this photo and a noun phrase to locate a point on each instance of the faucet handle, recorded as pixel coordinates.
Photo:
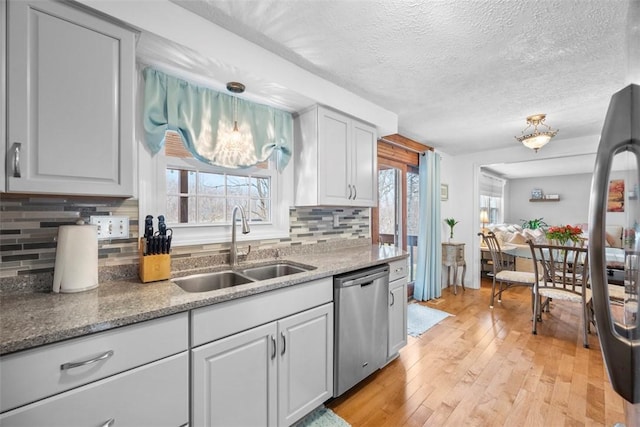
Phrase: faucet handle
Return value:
(245, 254)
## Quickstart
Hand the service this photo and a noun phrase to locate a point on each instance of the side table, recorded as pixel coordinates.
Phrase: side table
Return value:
(453, 256)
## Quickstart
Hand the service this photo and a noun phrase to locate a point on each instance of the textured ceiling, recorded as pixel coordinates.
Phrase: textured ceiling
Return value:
(461, 75)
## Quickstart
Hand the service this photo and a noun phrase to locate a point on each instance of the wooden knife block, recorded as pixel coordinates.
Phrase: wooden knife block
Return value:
(153, 267)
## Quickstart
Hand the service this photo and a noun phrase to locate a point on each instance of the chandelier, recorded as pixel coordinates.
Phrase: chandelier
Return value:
(234, 148)
(536, 139)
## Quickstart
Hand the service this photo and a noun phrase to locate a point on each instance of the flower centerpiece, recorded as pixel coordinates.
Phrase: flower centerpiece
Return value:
(451, 222)
(563, 233)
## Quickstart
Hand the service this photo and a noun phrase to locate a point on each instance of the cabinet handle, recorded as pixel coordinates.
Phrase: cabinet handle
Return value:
(71, 365)
(284, 343)
(355, 192)
(273, 342)
(109, 422)
(393, 298)
(16, 159)
(350, 191)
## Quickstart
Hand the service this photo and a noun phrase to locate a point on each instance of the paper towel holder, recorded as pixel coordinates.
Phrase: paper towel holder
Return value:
(76, 265)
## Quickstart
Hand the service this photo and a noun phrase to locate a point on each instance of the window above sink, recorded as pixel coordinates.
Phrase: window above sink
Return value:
(267, 191)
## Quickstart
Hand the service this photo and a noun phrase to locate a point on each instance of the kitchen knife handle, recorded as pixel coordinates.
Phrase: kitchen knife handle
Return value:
(17, 146)
(162, 226)
(71, 365)
(148, 226)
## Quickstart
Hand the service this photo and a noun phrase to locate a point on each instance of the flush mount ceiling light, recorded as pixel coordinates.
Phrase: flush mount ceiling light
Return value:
(536, 139)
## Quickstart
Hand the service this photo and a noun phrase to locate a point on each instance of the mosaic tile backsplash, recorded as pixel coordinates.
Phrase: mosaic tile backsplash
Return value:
(29, 228)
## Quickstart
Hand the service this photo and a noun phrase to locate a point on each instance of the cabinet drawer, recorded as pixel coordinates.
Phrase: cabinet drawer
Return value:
(227, 318)
(152, 395)
(35, 374)
(397, 269)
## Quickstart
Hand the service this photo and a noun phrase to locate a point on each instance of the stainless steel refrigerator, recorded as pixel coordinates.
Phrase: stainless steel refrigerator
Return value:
(615, 200)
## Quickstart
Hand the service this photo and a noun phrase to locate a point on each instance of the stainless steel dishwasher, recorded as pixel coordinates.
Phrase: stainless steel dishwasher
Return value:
(361, 325)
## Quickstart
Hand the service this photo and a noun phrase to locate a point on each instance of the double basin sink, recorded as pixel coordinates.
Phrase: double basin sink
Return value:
(228, 278)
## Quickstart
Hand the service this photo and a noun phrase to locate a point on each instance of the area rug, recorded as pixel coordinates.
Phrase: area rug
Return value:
(322, 417)
(421, 318)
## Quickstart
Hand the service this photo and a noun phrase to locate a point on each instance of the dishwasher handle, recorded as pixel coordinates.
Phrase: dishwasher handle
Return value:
(365, 280)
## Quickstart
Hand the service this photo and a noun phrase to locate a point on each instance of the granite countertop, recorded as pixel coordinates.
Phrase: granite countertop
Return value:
(32, 319)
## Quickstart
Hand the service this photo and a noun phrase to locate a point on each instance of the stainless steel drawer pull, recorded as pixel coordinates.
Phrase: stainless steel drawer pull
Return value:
(393, 298)
(71, 365)
(355, 192)
(16, 159)
(350, 191)
(273, 342)
(109, 423)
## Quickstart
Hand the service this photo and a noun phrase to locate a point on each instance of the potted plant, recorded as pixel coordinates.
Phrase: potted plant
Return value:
(533, 224)
(451, 222)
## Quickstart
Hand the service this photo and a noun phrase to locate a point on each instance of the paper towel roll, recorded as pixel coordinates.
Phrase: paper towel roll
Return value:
(76, 267)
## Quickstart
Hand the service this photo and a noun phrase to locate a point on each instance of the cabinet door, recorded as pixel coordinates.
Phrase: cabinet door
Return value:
(234, 380)
(70, 102)
(305, 367)
(156, 394)
(334, 169)
(365, 165)
(397, 316)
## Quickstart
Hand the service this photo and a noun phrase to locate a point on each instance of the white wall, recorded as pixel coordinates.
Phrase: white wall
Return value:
(573, 207)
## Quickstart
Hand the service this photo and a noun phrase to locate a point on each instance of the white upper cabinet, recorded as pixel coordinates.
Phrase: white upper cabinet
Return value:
(70, 102)
(335, 160)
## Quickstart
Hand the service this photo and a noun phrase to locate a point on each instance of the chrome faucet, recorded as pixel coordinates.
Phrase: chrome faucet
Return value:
(233, 256)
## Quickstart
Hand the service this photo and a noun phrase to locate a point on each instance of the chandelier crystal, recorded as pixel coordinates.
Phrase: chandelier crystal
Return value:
(536, 139)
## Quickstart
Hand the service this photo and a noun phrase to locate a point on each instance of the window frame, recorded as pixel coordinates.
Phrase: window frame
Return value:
(500, 183)
(153, 193)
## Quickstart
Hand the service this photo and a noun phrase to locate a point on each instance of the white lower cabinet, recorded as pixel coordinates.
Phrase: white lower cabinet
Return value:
(135, 375)
(155, 394)
(270, 375)
(397, 308)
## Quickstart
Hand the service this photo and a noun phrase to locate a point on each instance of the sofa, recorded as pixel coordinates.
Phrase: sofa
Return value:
(513, 234)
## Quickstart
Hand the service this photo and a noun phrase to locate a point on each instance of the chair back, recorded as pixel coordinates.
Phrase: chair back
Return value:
(497, 257)
(561, 268)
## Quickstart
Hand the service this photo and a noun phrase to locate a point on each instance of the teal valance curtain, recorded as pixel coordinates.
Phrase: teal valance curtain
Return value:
(204, 118)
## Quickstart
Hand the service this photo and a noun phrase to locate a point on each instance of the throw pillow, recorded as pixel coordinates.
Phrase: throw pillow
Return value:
(518, 239)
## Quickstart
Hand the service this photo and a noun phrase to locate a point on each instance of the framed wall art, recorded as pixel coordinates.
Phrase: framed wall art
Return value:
(444, 191)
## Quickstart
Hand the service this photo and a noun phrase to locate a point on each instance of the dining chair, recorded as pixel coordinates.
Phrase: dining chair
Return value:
(502, 273)
(562, 273)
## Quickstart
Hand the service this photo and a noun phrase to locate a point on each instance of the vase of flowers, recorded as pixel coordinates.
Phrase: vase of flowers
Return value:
(564, 233)
(451, 222)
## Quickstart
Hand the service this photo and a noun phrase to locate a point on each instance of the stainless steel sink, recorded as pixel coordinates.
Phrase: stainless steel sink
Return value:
(211, 281)
(228, 278)
(271, 271)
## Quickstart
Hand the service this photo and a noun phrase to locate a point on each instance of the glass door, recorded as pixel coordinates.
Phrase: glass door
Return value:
(389, 217)
(396, 219)
(413, 219)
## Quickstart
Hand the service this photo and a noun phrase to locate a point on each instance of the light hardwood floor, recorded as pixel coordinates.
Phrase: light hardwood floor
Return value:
(483, 367)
